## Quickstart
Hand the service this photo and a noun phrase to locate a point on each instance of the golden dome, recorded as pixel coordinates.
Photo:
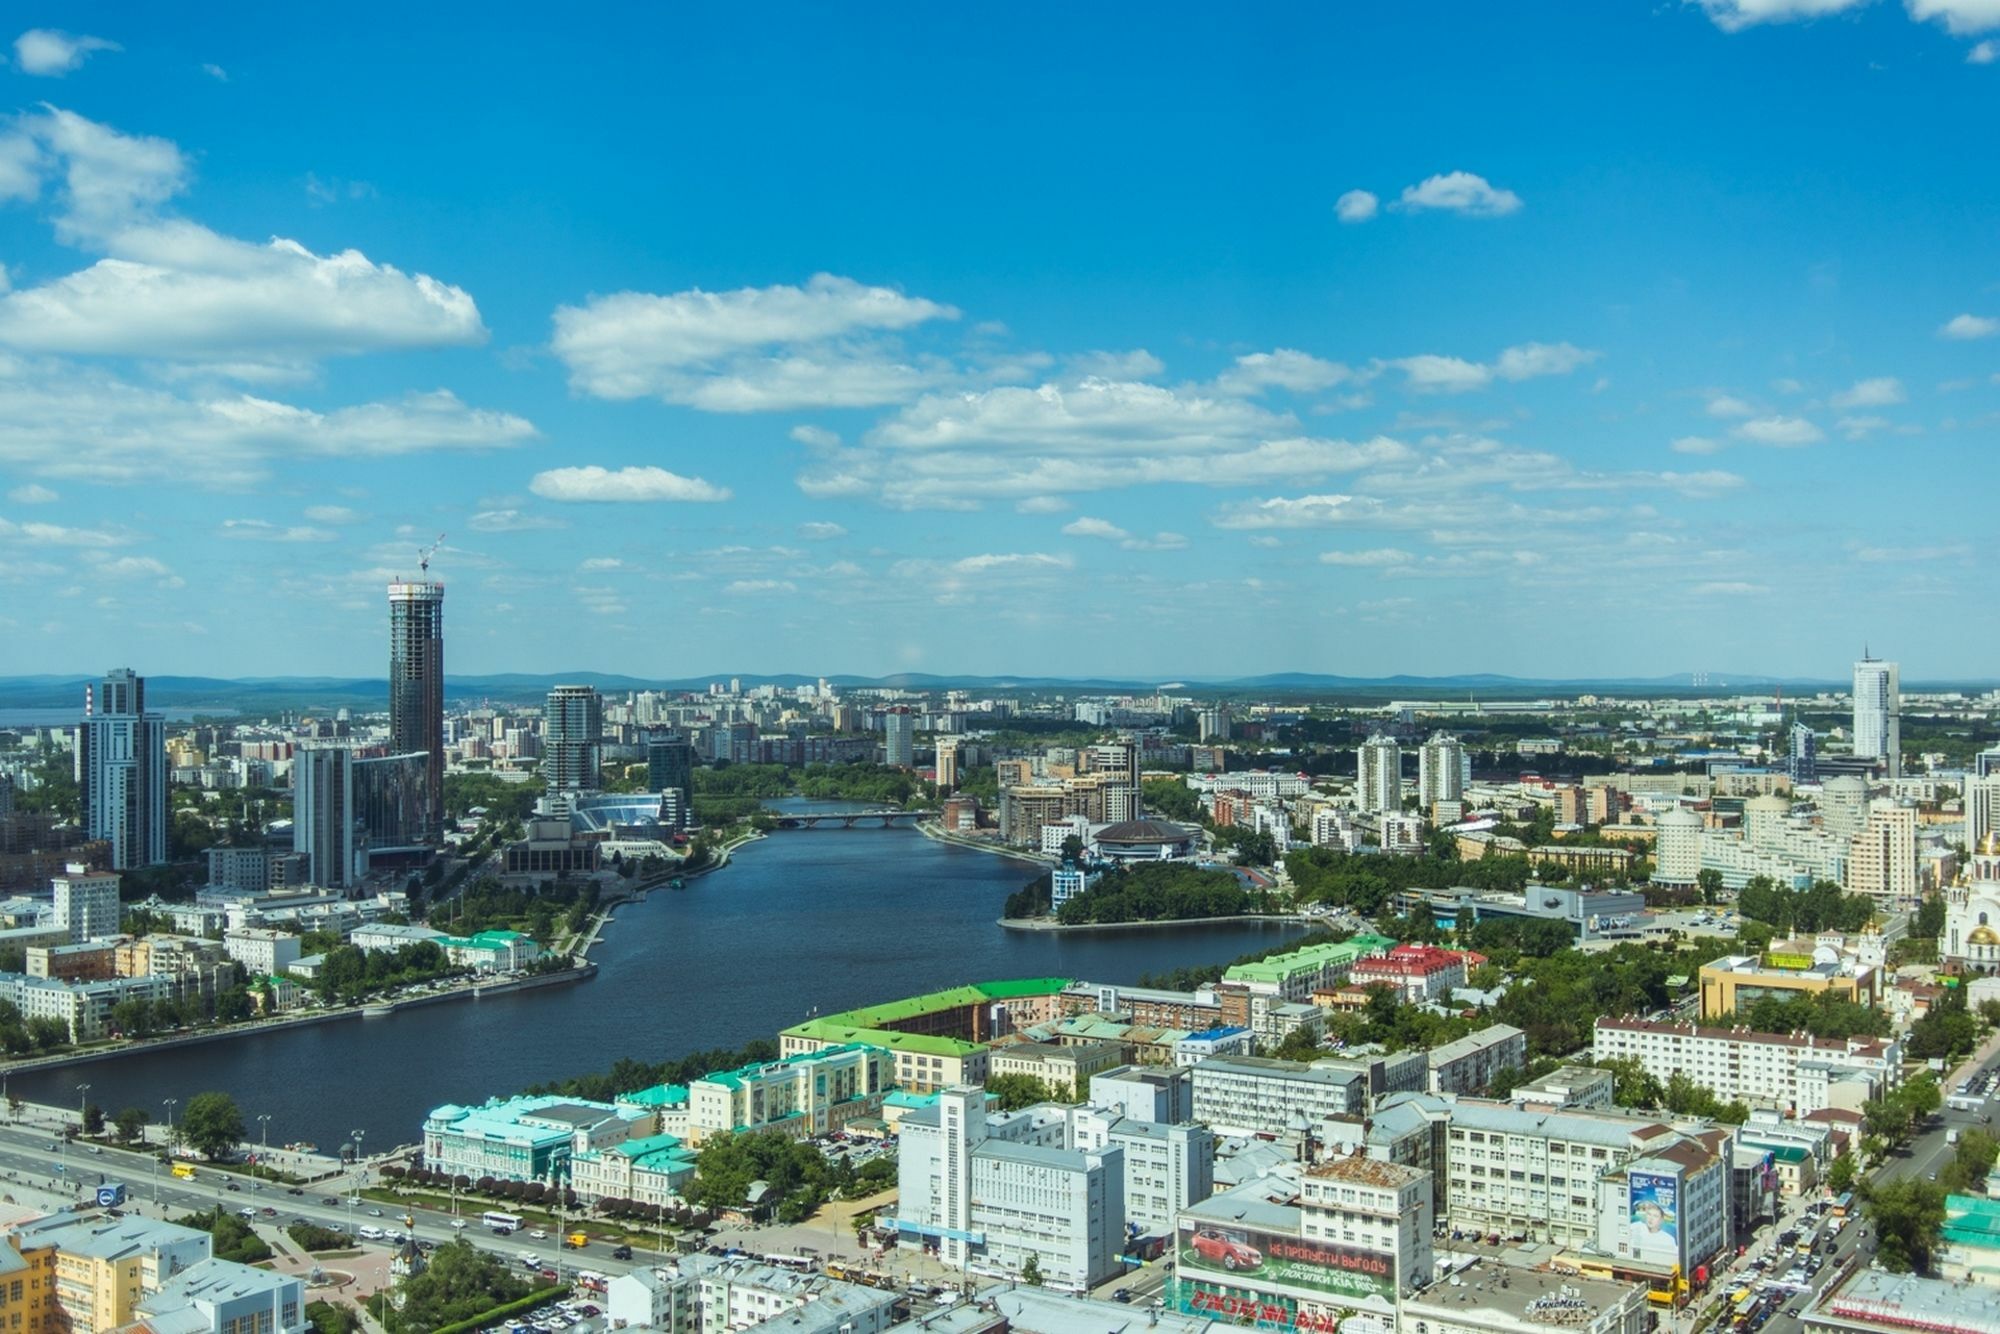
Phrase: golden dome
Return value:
(1983, 935)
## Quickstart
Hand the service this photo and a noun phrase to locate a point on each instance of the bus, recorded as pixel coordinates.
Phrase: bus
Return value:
(1842, 1203)
(800, 1263)
(501, 1223)
(185, 1171)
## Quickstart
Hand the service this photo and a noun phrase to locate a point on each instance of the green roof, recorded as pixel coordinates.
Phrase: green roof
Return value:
(868, 1025)
(829, 1030)
(1280, 966)
(1972, 1220)
(660, 1095)
(734, 1078)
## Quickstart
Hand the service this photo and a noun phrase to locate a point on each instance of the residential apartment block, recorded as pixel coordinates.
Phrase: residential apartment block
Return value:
(1796, 1072)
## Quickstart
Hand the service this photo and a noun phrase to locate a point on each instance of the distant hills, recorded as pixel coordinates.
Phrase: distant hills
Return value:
(300, 692)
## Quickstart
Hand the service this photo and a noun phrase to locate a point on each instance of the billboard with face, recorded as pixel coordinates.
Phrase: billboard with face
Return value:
(1255, 1259)
(1655, 1217)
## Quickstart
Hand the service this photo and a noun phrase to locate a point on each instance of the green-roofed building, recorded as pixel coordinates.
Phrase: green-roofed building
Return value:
(1970, 1240)
(491, 951)
(805, 1094)
(1297, 974)
(666, 1103)
(939, 1039)
(650, 1170)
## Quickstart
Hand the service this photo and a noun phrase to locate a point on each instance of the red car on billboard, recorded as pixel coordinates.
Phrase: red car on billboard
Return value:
(1219, 1248)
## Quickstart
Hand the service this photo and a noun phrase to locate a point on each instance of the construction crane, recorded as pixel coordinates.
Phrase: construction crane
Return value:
(424, 554)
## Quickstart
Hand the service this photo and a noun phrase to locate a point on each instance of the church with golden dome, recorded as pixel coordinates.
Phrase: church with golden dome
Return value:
(1971, 941)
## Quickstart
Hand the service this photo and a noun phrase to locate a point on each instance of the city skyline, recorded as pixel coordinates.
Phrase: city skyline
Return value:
(1343, 344)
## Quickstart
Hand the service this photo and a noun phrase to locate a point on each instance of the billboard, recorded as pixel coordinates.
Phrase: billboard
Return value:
(1249, 1258)
(1655, 1217)
(110, 1195)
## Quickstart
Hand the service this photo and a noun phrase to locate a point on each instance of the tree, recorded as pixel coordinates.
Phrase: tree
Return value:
(213, 1124)
(1709, 881)
(1031, 1272)
(93, 1119)
(1907, 1215)
(131, 1122)
(1017, 1091)
(1841, 1175)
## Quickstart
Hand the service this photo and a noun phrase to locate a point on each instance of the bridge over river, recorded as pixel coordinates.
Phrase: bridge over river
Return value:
(883, 819)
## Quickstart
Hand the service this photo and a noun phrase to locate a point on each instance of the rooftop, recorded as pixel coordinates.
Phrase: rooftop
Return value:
(1280, 966)
(1367, 1172)
(1880, 1300)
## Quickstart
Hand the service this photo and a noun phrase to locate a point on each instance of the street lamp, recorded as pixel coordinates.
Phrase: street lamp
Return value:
(263, 1159)
(170, 1104)
(82, 1092)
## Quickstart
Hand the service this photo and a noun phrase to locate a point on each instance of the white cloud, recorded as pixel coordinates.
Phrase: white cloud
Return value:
(1728, 588)
(818, 437)
(602, 563)
(821, 531)
(216, 72)
(1090, 417)
(753, 349)
(331, 514)
(1728, 405)
(742, 587)
(1736, 15)
(33, 494)
(1879, 392)
(63, 421)
(1784, 432)
(1373, 558)
(1696, 444)
(1088, 527)
(1042, 505)
(172, 289)
(1899, 555)
(625, 484)
(511, 521)
(1430, 373)
(1355, 206)
(52, 54)
(1137, 364)
(1460, 192)
(134, 567)
(262, 530)
(1157, 542)
(1983, 53)
(56, 535)
(1969, 326)
(1011, 560)
(1283, 368)
(1959, 17)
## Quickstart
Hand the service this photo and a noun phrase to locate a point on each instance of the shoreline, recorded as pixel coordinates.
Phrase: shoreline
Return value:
(938, 835)
(1051, 925)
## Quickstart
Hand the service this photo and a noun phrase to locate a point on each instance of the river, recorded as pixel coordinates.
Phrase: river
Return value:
(834, 918)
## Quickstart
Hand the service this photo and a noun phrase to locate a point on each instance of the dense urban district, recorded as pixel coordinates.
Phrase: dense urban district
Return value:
(1613, 1010)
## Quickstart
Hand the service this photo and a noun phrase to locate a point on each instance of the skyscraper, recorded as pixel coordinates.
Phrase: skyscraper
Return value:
(670, 764)
(573, 745)
(1878, 714)
(121, 770)
(1802, 757)
(947, 763)
(899, 738)
(1380, 774)
(326, 826)
(1440, 771)
(416, 686)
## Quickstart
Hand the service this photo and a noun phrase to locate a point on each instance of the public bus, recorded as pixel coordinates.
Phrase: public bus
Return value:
(185, 1171)
(800, 1263)
(1842, 1203)
(501, 1223)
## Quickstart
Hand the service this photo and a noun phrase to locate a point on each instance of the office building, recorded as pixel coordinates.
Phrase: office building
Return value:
(324, 825)
(223, 1297)
(572, 745)
(989, 1203)
(1372, 1206)
(1802, 755)
(899, 738)
(1145, 1093)
(526, 1138)
(1167, 1167)
(1242, 1096)
(1379, 774)
(86, 903)
(1794, 1072)
(941, 1038)
(416, 686)
(1878, 714)
(1982, 808)
(391, 801)
(121, 771)
(649, 1169)
(1440, 771)
(805, 1095)
(247, 870)
(1882, 858)
(1789, 969)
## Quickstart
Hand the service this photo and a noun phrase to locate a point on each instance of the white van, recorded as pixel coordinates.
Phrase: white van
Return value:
(371, 1233)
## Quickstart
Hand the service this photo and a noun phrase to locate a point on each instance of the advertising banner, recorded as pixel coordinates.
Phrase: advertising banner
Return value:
(1655, 1217)
(1247, 1257)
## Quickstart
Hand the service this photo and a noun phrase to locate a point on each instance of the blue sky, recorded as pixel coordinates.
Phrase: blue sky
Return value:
(1552, 339)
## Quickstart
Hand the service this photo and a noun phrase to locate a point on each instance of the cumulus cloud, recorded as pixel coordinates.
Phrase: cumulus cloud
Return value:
(1433, 374)
(1460, 192)
(985, 564)
(1042, 505)
(1284, 368)
(1736, 15)
(331, 514)
(32, 494)
(1728, 405)
(1137, 364)
(1374, 558)
(602, 563)
(1784, 432)
(752, 349)
(625, 484)
(817, 437)
(821, 531)
(1696, 444)
(1356, 206)
(263, 530)
(51, 54)
(1969, 326)
(172, 289)
(1088, 527)
(1728, 588)
(1960, 17)
(56, 535)
(511, 521)
(743, 587)
(1983, 53)
(1879, 392)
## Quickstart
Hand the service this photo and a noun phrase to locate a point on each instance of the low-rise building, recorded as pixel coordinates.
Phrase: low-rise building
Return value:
(805, 1095)
(523, 1139)
(940, 1039)
(1491, 1299)
(1737, 981)
(1147, 1093)
(261, 950)
(1795, 1072)
(1567, 1088)
(222, 1297)
(1468, 1064)
(1416, 973)
(1058, 1066)
(104, 1266)
(491, 951)
(648, 1169)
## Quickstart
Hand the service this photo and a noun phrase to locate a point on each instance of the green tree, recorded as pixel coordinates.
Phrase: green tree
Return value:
(131, 1122)
(1017, 1091)
(460, 1284)
(1840, 1177)
(212, 1124)
(1031, 1272)
(328, 1318)
(93, 1119)
(1907, 1215)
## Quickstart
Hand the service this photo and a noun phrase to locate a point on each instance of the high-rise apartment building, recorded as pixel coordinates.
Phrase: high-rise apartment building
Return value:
(1982, 810)
(572, 751)
(899, 738)
(1379, 774)
(1802, 755)
(670, 764)
(1440, 771)
(1878, 714)
(121, 770)
(416, 685)
(1213, 724)
(86, 903)
(325, 825)
(1882, 858)
(947, 763)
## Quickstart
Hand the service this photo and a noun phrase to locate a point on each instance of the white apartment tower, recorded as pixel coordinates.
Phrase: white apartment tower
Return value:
(1440, 771)
(572, 753)
(1379, 777)
(1878, 714)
